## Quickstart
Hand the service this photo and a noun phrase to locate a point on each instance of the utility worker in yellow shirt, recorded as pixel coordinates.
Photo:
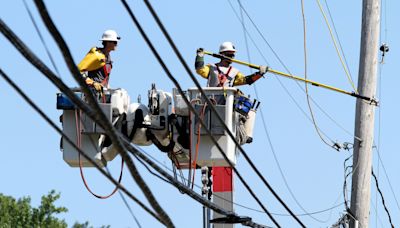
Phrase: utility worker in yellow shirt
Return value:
(222, 74)
(96, 65)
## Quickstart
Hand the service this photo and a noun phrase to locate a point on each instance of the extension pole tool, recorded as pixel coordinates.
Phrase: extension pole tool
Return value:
(353, 94)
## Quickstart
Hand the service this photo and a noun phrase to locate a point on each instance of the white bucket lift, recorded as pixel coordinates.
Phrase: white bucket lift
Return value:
(207, 153)
(80, 128)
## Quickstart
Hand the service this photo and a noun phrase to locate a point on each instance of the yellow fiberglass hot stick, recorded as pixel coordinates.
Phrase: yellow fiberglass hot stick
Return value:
(354, 94)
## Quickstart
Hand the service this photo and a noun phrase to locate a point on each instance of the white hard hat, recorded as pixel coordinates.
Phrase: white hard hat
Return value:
(227, 46)
(110, 35)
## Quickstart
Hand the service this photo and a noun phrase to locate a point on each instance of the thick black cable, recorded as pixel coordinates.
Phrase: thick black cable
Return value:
(85, 108)
(383, 199)
(59, 131)
(112, 133)
(41, 38)
(172, 44)
(99, 116)
(193, 110)
(239, 204)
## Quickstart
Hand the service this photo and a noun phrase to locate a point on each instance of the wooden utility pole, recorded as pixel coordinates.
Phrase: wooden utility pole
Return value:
(364, 124)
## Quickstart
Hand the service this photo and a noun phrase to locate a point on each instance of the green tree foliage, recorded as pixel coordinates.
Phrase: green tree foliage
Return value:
(20, 214)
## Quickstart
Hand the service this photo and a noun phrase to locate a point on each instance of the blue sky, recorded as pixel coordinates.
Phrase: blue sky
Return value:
(32, 163)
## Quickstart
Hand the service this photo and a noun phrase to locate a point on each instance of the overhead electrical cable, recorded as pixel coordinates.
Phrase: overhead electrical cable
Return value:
(383, 199)
(108, 126)
(96, 115)
(336, 205)
(338, 39)
(333, 145)
(59, 131)
(191, 107)
(387, 178)
(41, 37)
(24, 50)
(217, 115)
(346, 70)
(264, 122)
(185, 65)
(127, 206)
(298, 84)
(284, 87)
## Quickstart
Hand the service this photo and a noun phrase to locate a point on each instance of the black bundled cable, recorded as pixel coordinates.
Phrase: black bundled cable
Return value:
(56, 128)
(107, 125)
(383, 199)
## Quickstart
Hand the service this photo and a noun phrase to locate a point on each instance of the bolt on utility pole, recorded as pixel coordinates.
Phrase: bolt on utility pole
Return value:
(364, 123)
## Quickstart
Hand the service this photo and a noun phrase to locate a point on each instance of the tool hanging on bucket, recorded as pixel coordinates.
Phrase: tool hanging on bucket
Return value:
(353, 94)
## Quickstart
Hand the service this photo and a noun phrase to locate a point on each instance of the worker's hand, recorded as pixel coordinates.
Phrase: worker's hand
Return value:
(98, 86)
(263, 70)
(89, 81)
(200, 52)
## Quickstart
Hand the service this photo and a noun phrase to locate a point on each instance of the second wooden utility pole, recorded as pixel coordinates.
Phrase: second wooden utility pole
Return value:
(365, 112)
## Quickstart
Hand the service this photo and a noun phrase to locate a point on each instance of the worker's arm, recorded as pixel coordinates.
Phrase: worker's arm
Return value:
(199, 64)
(240, 79)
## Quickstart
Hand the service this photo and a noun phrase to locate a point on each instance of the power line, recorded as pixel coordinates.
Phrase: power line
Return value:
(383, 199)
(298, 84)
(191, 107)
(346, 70)
(264, 122)
(41, 37)
(306, 85)
(185, 65)
(127, 206)
(59, 131)
(25, 51)
(84, 107)
(239, 204)
(338, 38)
(108, 127)
(387, 178)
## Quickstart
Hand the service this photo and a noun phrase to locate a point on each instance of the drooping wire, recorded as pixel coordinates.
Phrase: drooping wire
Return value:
(95, 115)
(41, 38)
(108, 126)
(306, 85)
(59, 131)
(263, 119)
(383, 199)
(159, 59)
(346, 70)
(25, 51)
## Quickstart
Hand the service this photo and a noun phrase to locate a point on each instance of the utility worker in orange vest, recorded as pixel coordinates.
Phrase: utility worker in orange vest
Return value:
(96, 65)
(222, 74)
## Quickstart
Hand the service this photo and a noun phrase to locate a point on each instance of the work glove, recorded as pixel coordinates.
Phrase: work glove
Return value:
(89, 81)
(263, 70)
(98, 86)
(200, 52)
